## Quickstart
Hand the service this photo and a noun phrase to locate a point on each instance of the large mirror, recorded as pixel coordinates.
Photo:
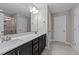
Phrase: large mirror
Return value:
(15, 18)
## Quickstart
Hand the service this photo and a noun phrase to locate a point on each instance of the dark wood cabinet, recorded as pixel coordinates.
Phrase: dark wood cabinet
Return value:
(44, 40)
(39, 45)
(34, 47)
(42, 43)
(12, 52)
(25, 49)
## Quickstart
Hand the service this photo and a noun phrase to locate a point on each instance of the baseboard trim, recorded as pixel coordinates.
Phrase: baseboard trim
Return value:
(76, 49)
(68, 43)
(73, 46)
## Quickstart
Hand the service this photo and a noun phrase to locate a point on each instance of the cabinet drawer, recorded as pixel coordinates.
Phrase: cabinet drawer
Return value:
(25, 49)
(35, 47)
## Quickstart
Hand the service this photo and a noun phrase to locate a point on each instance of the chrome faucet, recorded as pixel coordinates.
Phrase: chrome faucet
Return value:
(5, 38)
(35, 32)
(8, 38)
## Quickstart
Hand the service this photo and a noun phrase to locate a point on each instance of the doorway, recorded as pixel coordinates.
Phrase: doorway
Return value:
(60, 28)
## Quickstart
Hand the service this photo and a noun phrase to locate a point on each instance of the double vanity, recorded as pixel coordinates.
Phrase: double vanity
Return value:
(23, 32)
(24, 44)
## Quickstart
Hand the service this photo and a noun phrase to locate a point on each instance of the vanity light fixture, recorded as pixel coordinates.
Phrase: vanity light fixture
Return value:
(33, 10)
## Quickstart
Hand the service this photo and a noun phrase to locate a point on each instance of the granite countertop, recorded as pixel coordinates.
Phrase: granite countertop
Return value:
(16, 41)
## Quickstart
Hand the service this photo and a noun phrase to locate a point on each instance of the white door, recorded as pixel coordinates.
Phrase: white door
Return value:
(60, 28)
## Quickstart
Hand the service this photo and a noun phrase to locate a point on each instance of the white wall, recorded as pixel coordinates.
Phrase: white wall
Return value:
(39, 20)
(42, 20)
(50, 26)
(75, 19)
(21, 23)
(29, 24)
(34, 22)
(2, 16)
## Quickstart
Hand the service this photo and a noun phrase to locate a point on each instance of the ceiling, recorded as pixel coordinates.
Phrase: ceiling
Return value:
(60, 7)
(14, 8)
(24, 8)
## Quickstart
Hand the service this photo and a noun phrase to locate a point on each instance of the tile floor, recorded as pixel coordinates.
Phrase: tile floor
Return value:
(59, 48)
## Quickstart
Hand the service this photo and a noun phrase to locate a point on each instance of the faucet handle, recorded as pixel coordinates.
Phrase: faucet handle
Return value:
(8, 38)
(2, 32)
(2, 39)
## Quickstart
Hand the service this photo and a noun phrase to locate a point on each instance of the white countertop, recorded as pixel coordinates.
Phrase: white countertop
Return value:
(17, 40)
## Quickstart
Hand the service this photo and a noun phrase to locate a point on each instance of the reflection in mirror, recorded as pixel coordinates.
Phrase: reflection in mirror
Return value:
(9, 25)
(15, 18)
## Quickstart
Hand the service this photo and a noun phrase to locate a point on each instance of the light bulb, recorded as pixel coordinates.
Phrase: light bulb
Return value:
(33, 10)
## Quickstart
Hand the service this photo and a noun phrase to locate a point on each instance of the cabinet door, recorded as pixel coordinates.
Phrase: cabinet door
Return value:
(44, 40)
(35, 46)
(25, 49)
(42, 43)
(35, 49)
